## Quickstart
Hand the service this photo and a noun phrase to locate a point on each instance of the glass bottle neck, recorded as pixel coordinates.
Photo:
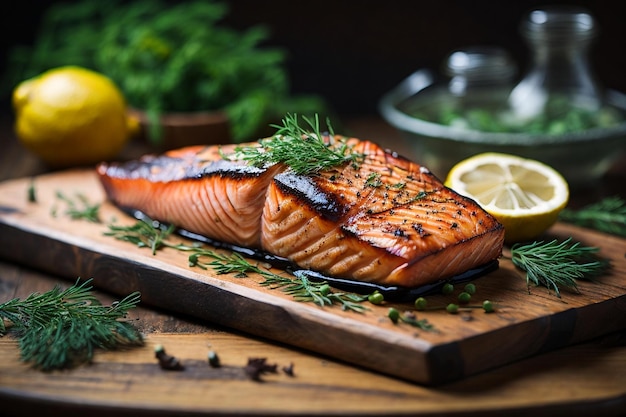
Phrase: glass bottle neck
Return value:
(559, 39)
(562, 68)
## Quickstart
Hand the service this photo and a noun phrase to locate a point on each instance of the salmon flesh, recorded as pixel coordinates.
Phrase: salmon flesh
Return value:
(385, 220)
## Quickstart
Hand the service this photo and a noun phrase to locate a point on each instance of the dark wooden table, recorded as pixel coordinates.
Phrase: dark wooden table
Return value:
(577, 380)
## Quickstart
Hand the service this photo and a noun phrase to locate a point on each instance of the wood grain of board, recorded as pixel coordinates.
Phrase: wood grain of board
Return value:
(130, 383)
(525, 323)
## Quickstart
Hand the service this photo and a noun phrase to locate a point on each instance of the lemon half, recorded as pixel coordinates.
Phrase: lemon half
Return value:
(525, 195)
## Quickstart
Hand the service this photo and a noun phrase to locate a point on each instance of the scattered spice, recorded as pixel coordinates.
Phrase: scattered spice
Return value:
(257, 367)
(167, 362)
(288, 370)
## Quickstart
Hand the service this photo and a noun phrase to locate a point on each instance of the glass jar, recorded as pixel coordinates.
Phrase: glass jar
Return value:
(560, 76)
(557, 113)
(477, 69)
(478, 81)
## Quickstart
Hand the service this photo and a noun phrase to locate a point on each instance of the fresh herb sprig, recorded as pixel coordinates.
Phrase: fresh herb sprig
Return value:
(319, 292)
(298, 286)
(304, 150)
(148, 234)
(62, 328)
(80, 208)
(144, 233)
(557, 264)
(607, 215)
(409, 318)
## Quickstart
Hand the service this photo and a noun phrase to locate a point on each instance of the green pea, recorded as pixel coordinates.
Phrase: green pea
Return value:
(464, 297)
(470, 288)
(452, 308)
(325, 289)
(447, 288)
(488, 306)
(421, 303)
(376, 298)
(393, 314)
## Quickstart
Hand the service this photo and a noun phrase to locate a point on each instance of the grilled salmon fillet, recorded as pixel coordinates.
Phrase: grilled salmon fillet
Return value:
(385, 220)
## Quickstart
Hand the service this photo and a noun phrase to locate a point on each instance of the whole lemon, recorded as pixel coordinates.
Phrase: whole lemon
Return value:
(71, 116)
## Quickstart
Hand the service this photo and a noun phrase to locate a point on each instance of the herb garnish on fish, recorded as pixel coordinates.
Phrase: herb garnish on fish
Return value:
(304, 150)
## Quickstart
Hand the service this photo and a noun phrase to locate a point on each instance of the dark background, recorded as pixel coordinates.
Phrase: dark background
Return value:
(352, 52)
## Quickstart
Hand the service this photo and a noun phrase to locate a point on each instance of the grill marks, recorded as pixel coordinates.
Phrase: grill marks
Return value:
(387, 220)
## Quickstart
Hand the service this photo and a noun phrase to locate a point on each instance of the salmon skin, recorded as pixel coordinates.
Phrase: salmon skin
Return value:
(385, 220)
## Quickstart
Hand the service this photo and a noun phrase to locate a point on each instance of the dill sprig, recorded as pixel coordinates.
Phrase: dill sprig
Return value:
(304, 150)
(557, 264)
(298, 286)
(62, 328)
(607, 215)
(318, 292)
(144, 233)
(81, 208)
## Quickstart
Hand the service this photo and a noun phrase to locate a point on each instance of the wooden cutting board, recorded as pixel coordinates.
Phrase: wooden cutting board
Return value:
(527, 320)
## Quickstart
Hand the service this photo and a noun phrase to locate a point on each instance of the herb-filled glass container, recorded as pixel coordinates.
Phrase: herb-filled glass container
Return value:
(557, 113)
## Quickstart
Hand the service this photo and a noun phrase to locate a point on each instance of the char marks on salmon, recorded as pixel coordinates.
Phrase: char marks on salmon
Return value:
(384, 220)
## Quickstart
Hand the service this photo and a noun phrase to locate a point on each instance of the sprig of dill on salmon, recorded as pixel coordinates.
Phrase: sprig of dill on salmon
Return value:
(306, 150)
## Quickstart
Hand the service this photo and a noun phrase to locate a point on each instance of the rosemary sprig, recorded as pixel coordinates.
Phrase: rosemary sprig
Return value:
(555, 265)
(607, 215)
(81, 209)
(303, 150)
(61, 328)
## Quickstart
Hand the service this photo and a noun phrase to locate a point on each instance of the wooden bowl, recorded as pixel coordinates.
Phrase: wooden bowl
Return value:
(186, 129)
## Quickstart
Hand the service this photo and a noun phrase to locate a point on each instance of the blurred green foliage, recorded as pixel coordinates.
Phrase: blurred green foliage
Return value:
(169, 57)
